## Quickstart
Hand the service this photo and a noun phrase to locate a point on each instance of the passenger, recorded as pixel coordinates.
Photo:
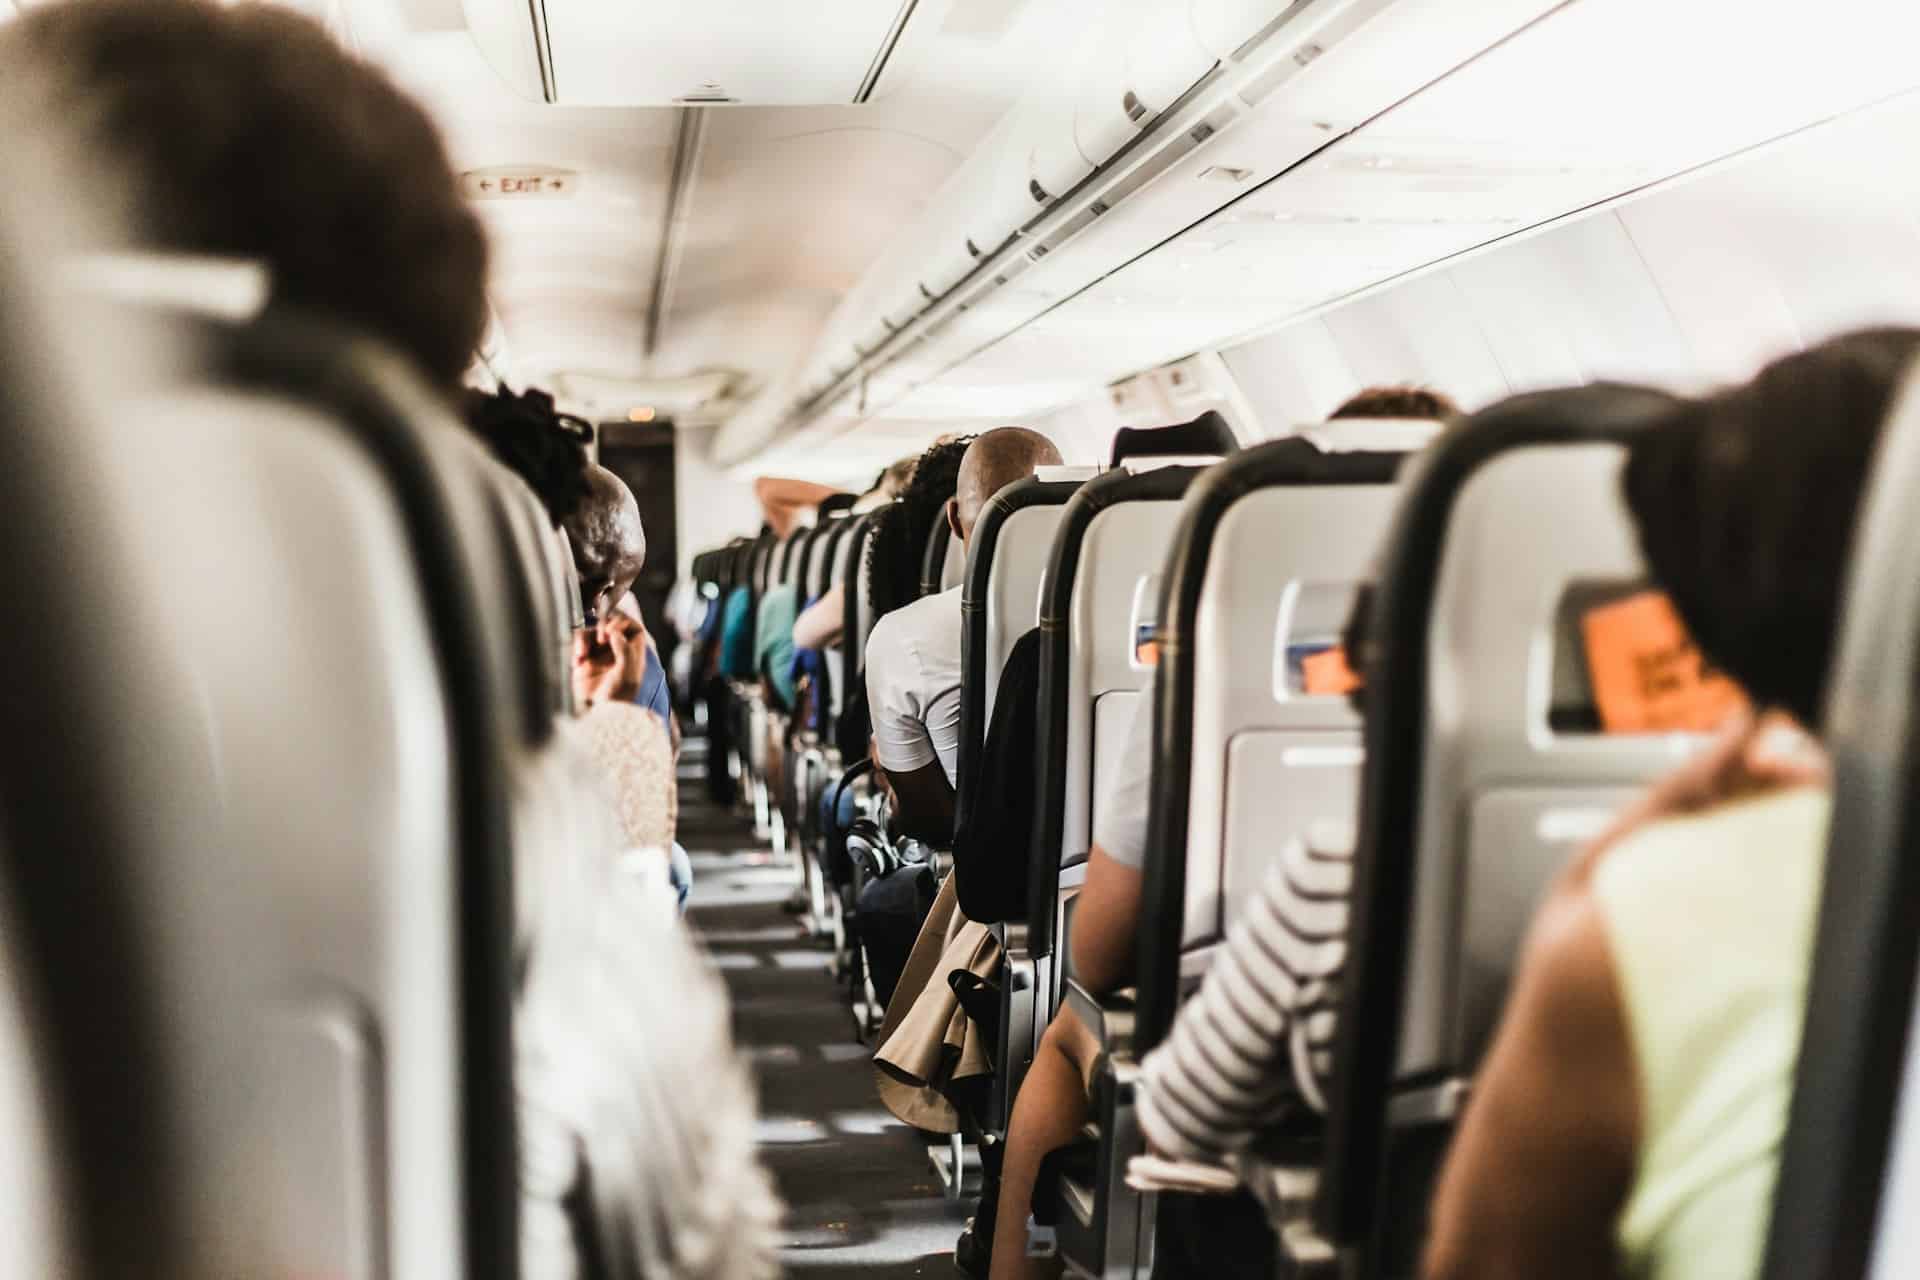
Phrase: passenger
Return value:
(773, 643)
(544, 447)
(1054, 1097)
(1629, 1115)
(913, 655)
(614, 659)
(245, 133)
(898, 546)
(1410, 402)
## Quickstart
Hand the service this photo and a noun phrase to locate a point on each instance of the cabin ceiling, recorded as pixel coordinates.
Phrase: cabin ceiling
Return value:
(787, 213)
(787, 205)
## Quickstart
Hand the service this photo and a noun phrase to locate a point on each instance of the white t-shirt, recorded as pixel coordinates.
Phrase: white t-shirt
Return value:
(913, 684)
(1120, 818)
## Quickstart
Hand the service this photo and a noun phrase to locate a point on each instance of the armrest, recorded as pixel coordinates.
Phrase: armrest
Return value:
(1286, 1192)
(1109, 1019)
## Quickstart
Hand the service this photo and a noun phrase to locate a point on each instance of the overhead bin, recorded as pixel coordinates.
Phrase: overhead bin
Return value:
(1166, 57)
(687, 52)
(1110, 89)
(1223, 26)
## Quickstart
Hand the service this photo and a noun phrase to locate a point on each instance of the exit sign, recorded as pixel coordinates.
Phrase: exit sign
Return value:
(519, 183)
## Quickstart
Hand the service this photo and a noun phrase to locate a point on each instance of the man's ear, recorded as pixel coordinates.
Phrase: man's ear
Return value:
(953, 519)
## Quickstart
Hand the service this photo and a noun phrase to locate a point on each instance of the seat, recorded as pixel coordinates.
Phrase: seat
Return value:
(754, 720)
(841, 564)
(814, 764)
(942, 550)
(307, 1002)
(1477, 785)
(1100, 593)
(999, 603)
(1847, 1203)
(1262, 572)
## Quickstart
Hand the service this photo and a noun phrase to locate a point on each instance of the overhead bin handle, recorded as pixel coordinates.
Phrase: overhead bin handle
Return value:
(1206, 436)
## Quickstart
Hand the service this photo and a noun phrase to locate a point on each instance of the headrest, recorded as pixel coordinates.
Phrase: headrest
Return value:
(1372, 435)
(1207, 436)
(234, 289)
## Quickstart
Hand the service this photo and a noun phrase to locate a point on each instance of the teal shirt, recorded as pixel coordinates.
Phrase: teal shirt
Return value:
(773, 641)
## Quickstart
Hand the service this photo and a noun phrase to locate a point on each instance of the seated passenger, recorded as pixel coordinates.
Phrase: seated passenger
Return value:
(609, 550)
(548, 450)
(1629, 1115)
(1054, 1097)
(913, 655)
(773, 643)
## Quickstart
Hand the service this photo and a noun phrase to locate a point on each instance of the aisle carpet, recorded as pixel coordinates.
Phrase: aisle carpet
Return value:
(862, 1200)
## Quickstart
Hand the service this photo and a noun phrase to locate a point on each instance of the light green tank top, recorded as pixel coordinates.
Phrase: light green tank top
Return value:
(1710, 921)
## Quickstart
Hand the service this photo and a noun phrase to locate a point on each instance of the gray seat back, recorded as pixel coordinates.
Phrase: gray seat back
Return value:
(1847, 1203)
(1000, 599)
(953, 565)
(333, 977)
(1102, 572)
(1269, 760)
(845, 551)
(1471, 797)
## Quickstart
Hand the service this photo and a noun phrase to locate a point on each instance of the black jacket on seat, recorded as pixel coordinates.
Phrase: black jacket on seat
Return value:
(993, 833)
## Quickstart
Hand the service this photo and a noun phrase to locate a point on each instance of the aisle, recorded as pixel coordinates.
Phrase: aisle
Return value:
(861, 1198)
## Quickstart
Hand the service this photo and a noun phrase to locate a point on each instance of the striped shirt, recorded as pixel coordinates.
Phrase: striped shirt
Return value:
(1259, 1035)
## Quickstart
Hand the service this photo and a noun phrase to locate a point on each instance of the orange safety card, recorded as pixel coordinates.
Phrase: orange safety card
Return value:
(1648, 675)
(1327, 675)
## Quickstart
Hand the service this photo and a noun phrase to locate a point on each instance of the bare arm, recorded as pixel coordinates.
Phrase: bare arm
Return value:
(1104, 924)
(1544, 1159)
(781, 500)
(923, 803)
(820, 624)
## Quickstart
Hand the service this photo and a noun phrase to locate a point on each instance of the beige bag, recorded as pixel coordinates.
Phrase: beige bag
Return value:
(927, 1042)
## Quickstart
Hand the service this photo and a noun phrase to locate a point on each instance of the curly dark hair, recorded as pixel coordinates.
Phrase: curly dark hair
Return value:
(1396, 402)
(901, 529)
(248, 132)
(1745, 503)
(544, 447)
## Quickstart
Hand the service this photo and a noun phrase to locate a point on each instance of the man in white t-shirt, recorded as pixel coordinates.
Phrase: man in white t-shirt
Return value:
(913, 655)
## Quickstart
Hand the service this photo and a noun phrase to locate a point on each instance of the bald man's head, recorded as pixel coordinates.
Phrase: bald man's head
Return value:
(609, 544)
(993, 462)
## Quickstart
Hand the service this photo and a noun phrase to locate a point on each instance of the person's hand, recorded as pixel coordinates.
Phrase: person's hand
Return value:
(609, 661)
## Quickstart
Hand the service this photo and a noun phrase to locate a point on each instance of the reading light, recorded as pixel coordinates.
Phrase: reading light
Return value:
(643, 414)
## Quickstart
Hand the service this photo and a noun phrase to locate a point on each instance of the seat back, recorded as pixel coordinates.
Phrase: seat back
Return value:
(786, 560)
(1100, 587)
(1472, 797)
(941, 547)
(1262, 572)
(999, 601)
(301, 619)
(765, 554)
(94, 1096)
(1847, 1203)
(840, 667)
